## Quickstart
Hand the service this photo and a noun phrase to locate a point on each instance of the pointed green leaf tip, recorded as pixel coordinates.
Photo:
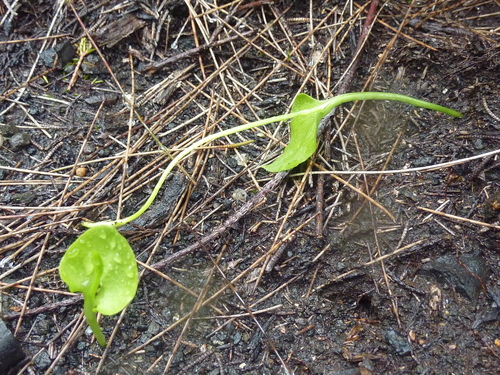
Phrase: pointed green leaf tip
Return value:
(303, 132)
(101, 264)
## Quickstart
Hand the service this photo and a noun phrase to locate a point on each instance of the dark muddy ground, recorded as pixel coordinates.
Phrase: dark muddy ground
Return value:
(316, 280)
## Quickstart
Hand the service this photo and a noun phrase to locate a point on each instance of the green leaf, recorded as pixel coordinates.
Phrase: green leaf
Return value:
(304, 127)
(303, 133)
(101, 264)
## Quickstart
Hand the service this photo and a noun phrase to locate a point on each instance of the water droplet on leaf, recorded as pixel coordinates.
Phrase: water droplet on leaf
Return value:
(73, 252)
(89, 268)
(130, 273)
(101, 234)
(118, 259)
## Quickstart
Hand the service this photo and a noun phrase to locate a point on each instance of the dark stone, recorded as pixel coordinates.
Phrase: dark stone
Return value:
(8, 130)
(424, 161)
(19, 140)
(153, 328)
(24, 198)
(42, 361)
(96, 100)
(11, 353)
(467, 274)
(36, 109)
(66, 52)
(486, 317)
(398, 342)
(478, 144)
(7, 26)
(48, 57)
(93, 65)
(237, 338)
(367, 364)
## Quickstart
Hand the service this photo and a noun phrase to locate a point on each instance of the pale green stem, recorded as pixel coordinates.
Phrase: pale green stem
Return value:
(89, 294)
(91, 317)
(355, 96)
(327, 104)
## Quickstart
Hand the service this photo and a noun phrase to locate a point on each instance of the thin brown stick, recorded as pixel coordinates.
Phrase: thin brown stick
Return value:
(233, 219)
(346, 82)
(33, 39)
(153, 68)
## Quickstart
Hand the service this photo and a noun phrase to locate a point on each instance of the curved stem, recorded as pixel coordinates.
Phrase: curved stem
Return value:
(326, 105)
(183, 154)
(91, 317)
(355, 96)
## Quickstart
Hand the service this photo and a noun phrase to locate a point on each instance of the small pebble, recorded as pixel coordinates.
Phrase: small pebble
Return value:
(8, 130)
(81, 171)
(19, 141)
(399, 342)
(240, 195)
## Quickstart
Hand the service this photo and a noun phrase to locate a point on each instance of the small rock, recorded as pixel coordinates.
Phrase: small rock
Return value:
(486, 317)
(96, 100)
(367, 365)
(467, 275)
(398, 342)
(19, 140)
(42, 361)
(10, 349)
(66, 51)
(153, 328)
(167, 314)
(48, 57)
(237, 338)
(478, 144)
(424, 161)
(89, 148)
(36, 109)
(239, 195)
(8, 130)
(7, 26)
(93, 65)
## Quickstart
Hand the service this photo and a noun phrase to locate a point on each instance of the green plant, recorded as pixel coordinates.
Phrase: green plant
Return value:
(101, 263)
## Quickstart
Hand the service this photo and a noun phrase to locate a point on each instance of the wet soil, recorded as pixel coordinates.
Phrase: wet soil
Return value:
(357, 292)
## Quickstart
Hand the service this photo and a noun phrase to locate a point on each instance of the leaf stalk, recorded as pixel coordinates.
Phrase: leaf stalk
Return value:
(324, 106)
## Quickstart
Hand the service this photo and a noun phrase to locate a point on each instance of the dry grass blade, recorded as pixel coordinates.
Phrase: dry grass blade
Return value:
(459, 218)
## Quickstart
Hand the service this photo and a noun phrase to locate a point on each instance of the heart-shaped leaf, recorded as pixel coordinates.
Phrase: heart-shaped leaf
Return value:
(101, 264)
